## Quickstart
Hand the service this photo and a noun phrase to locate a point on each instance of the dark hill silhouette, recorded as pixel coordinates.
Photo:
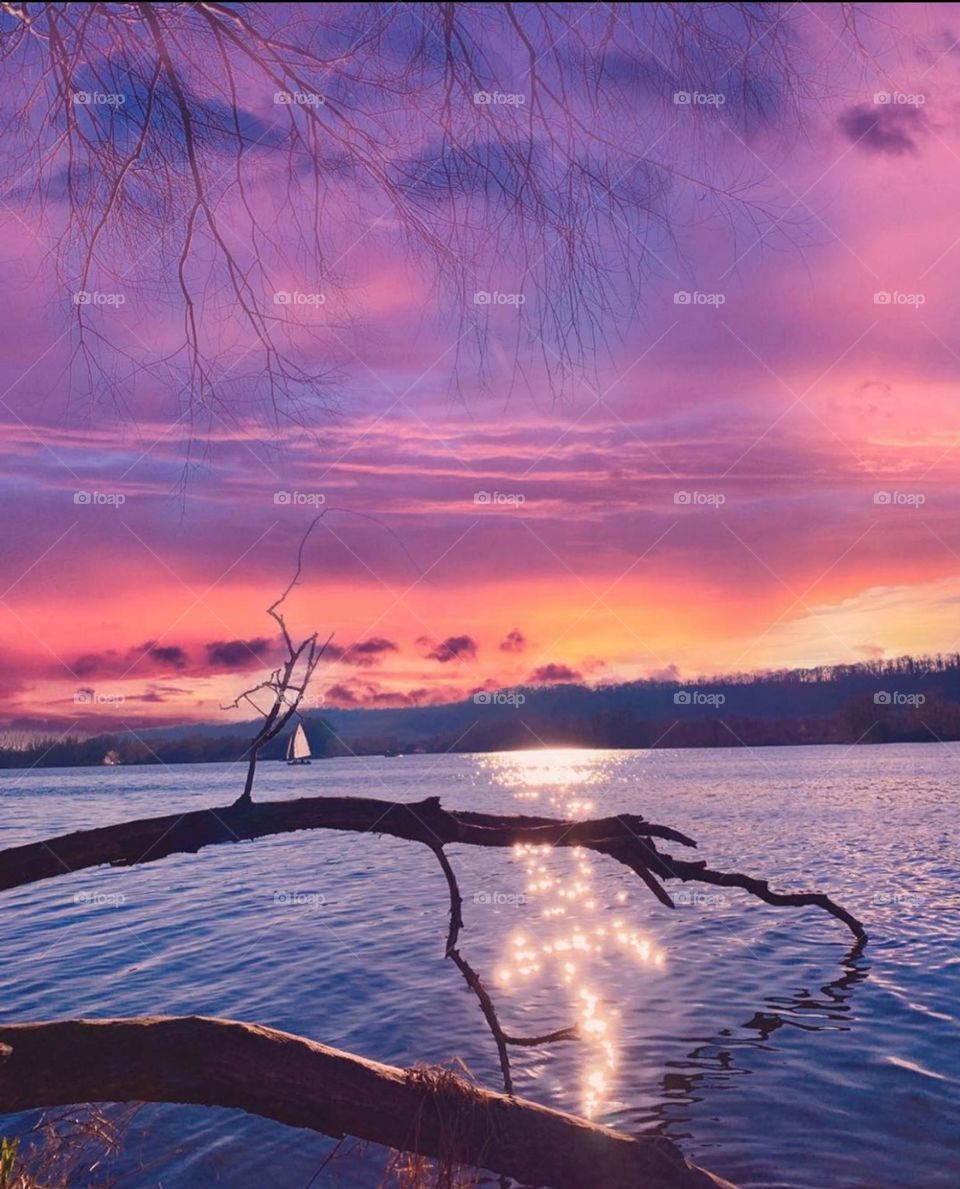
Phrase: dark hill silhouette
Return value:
(910, 699)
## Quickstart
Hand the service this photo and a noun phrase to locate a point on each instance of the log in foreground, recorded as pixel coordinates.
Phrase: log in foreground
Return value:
(212, 1062)
(628, 838)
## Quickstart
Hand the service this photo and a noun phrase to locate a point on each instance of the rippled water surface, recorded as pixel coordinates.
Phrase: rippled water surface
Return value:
(748, 1034)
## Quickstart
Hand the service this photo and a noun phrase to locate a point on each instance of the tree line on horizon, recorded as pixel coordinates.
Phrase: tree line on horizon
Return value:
(859, 718)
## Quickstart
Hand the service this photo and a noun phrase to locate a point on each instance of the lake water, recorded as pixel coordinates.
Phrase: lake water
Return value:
(745, 1033)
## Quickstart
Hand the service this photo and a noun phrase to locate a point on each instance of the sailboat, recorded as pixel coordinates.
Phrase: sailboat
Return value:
(298, 749)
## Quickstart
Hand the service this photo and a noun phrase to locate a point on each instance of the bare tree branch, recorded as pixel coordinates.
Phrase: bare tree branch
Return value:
(626, 838)
(286, 684)
(324, 122)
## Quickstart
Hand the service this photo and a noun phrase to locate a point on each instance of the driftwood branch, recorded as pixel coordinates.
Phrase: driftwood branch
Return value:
(213, 1062)
(628, 838)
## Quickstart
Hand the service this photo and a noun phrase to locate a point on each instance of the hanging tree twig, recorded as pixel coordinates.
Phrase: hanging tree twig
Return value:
(503, 1040)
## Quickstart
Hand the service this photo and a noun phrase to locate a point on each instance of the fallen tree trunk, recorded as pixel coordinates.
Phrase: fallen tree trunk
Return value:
(628, 838)
(213, 1062)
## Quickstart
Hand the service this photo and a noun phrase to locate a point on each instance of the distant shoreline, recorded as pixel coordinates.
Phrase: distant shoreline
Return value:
(155, 762)
(904, 700)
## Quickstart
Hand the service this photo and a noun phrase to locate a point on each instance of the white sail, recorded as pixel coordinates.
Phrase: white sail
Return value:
(298, 747)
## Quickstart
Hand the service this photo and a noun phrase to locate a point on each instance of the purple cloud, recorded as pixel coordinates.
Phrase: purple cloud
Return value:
(454, 648)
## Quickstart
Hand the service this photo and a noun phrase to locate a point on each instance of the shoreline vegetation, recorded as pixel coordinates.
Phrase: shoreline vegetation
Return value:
(907, 700)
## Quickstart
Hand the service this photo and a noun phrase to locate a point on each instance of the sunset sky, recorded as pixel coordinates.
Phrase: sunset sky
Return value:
(766, 481)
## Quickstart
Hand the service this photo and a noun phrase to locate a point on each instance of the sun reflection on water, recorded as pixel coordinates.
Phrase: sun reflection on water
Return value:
(572, 929)
(546, 768)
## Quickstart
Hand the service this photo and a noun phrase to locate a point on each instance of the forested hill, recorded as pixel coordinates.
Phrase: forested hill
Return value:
(904, 700)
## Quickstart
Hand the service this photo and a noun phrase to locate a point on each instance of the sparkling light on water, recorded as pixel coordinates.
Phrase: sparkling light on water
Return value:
(571, 928)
